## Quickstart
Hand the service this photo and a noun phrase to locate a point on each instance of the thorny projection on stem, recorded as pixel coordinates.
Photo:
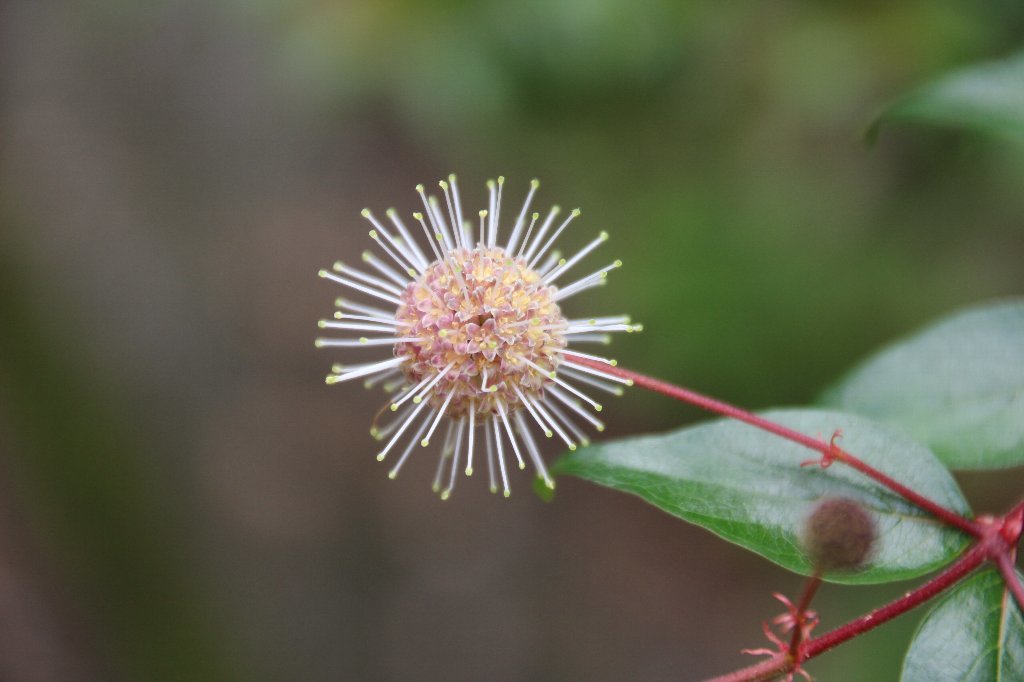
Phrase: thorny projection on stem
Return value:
(995, 540)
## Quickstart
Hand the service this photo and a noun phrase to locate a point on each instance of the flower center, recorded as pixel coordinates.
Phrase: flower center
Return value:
(490, 326)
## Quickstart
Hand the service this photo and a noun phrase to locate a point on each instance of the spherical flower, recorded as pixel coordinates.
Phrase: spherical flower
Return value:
(477, 336)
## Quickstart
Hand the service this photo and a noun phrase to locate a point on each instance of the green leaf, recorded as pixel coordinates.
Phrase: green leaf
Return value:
(747, 486)
(957, 386)
(987, 98)
(975, 633)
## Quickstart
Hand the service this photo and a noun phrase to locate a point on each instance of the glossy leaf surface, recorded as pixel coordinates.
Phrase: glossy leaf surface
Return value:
(748, 486)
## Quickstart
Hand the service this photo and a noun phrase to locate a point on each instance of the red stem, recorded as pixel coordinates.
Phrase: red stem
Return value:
(1009, 571)
(810, 589)
(829, 451)
(967, 562)
(816, 646)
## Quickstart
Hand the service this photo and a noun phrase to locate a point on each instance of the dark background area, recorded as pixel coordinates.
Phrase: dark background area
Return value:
(181, 496)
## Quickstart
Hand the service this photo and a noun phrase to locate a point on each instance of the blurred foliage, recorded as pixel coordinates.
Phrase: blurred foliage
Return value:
(986, 98)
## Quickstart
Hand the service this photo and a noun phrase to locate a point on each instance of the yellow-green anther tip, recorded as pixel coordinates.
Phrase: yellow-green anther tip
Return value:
(424, 442)
(394, 407)
(321, 323)
(367, 256)
(445, 495)
(392, 475)
(549, 483)
(501, 179)
(469, 471)
(494, 489)
(576, 212)
(442, 184)
(629, 382)
(604, 236)
(598, 407)
(617, 264)
(380, 458)
(419, 188)
(321, 273)
(373, 235)
(338, 315)
(365, 213)
(572, 446)
(508, 493)
(535, 183)
(614, 363)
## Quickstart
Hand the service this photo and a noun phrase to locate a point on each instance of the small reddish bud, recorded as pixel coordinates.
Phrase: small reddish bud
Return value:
(839, 535)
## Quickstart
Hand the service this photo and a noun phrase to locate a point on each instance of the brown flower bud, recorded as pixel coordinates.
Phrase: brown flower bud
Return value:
(839, 535)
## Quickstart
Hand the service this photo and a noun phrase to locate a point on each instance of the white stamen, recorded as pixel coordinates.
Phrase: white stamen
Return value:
(439, 233)
(472, 430)
(511, 436)
(363, 370)
(441, 223)
(531, 447)
(433, 382)
(445, 451)
(399, 248)
(458, 203)
(444, 406)
(365, 309)
(455, 460)
(355, 326)
(547, 245)
(576, 407)
(593, 279)
(603, 339)
(405, 424)
(456, 223)
(565, 265)
(432, 239)
(533, 413)
(359, 287)
(490, 455)
(533, 221)
(411, 446)
(501, 451)
(539, 406)
(364, 341)
(590, 381)
(390, 386)
(414, 249)
(483, 215)
(597, 372)
(386, 270)
(386, 321)
(577, 433)
(520, 223)
(595, 358)
(545, 226)
(549, 263)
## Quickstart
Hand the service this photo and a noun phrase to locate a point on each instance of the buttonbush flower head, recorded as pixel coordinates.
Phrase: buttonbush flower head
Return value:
(477, 335)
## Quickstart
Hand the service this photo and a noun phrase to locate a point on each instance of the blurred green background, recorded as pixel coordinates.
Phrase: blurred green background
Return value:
(182, 498)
